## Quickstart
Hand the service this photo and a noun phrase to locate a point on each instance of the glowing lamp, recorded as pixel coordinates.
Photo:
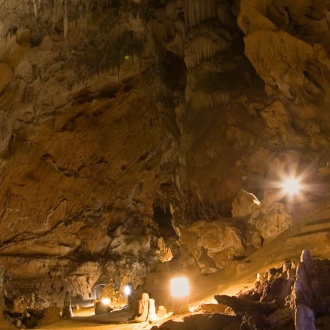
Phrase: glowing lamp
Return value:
(127, 290)
(291, 186)
(179, 287)
(105, 301)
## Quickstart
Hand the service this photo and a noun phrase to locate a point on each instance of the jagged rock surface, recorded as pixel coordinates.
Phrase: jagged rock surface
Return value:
(120, 121)
(275, 302)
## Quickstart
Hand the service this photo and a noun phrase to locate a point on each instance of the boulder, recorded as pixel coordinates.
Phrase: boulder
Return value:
(213, 244)
(245, 205)
(272, 222)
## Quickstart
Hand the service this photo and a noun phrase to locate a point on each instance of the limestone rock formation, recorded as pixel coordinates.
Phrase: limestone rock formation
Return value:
(245, 205)
(124, 124)
(212, 244)
(274, 303)
(142, 309)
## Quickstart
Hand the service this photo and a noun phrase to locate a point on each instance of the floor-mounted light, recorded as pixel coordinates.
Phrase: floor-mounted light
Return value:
(180, 292)
(128, 293)
(127, 290)
(106, 301)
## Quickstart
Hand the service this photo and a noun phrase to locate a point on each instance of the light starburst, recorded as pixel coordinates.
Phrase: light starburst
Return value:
(291, 186)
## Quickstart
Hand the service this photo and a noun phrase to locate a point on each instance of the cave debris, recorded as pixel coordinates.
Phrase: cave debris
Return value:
(291, 296)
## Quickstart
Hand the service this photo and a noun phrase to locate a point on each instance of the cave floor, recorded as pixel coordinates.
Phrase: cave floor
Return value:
(238, 276)
(114, 320)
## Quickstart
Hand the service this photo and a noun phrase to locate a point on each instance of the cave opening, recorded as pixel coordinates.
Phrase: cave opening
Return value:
(163, 217)
(174, 71)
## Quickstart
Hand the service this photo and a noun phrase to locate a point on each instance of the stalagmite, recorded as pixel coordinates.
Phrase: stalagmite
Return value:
(2, 299)
(152, 316)
(3, 323)
(86, 155)
(304, 318)
(67, 310)
(306, 259)
(301, 271)
(141, 310)
(288, 270)
(300, 296)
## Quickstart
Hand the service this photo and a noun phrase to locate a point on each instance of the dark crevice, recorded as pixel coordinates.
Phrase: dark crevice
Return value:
(163, 217)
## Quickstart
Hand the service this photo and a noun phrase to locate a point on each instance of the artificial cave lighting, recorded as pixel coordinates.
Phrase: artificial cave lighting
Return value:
(127, 290)
(179, 287)
(106, 301)
(180, 292)
(291, 186)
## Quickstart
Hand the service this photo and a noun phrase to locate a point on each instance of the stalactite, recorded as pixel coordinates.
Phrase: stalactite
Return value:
(156, 90)
(227, 13)
(65, 19)
(202, 48)
(202, 101)
(178, 47)
(167, 29)
(57, 13)
(101, 20)
(196, 11)
(213, 152)
(35, 7)
(221, 97)
(204, 41)
(179, 111)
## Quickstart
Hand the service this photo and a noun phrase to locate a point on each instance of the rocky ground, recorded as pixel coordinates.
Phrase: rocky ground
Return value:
(236, 280)
(133, 132)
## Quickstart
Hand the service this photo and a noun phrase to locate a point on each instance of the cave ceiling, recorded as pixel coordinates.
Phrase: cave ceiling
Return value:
(122, 122)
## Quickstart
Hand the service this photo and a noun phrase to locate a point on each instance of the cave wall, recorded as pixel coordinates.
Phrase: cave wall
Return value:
(83, 154)
(255, 111)
(111, 110)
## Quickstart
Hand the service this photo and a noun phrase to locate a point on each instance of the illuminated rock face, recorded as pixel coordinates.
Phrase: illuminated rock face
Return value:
(213, 243)
(81, 150)
(110, 112)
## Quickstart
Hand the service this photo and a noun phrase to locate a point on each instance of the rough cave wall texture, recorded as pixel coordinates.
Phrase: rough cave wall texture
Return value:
(123, 119)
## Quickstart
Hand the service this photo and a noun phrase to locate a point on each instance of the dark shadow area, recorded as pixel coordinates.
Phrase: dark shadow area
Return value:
(115, 317)
(325, 230)
(174, 71)
(318, 222)
(163, 217)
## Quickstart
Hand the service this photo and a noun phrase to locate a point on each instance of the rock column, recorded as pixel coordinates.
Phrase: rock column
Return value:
(3, 323)
(2, 300)
(304, 315)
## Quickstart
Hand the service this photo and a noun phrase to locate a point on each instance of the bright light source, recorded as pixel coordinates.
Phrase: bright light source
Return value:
(127, 290)
(179, 287)
(106, 301)
(291, 186)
